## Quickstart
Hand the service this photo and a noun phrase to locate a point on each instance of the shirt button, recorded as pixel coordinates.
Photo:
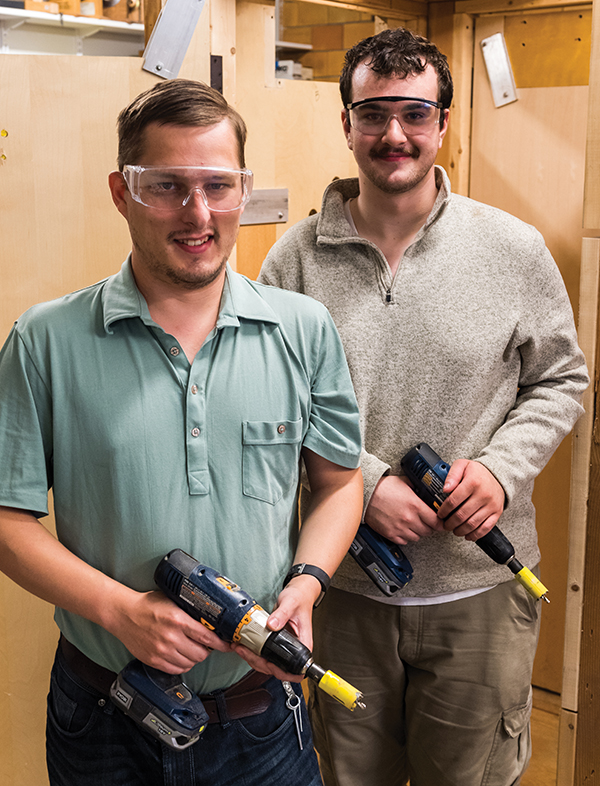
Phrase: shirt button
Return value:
(174, 351)
(195, 432)
(194, 389)
(281, 429)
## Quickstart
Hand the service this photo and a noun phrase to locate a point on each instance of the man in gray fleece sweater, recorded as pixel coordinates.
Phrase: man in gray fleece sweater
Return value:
(458, 332)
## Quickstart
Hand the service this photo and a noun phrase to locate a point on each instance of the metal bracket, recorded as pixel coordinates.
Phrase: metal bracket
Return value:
(266, 206)
(171, 37)
(499, 70)
(6, 30)
(82, 35)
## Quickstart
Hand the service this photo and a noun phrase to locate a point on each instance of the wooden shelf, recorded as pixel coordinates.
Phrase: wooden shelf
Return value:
(291, 46)
(40, 33)
(82, 23)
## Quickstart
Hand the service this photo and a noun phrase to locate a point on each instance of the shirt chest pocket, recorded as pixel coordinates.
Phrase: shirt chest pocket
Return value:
(270, 458)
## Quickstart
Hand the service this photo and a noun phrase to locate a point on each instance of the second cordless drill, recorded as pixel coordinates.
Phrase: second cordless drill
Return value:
(427, 472)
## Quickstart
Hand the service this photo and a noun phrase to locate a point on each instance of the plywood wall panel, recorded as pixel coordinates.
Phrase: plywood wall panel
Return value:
(591, 210)
(527, 162)
(453, 34)
(295, 136)
(550, 49)
(59, 231)
(580, 478)
(253, 245)
(59, 228)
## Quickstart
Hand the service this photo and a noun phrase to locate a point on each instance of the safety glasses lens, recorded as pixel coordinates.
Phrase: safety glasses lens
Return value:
(414, 116)
(170, 189)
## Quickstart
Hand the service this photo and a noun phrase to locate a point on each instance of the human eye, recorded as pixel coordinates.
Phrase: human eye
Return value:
(163, 185)
(418, 114)
(221, 187)
(218, 186)
(371, 113)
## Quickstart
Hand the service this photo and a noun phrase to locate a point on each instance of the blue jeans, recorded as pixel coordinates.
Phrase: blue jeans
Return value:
(89, 742)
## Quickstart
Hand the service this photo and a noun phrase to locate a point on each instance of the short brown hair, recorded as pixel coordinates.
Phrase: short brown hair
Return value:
(181, 102)
(398, 53)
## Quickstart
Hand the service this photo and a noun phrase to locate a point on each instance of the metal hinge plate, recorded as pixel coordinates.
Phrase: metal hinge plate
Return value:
(171, 37)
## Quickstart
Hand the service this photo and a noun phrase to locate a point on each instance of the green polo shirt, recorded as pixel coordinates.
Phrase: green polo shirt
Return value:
(146, 453)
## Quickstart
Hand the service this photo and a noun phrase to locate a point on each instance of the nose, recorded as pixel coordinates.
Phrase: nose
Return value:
(394, 133)
(196, 201)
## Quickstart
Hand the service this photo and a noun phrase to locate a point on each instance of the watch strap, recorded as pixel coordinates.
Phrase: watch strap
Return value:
(310, 570)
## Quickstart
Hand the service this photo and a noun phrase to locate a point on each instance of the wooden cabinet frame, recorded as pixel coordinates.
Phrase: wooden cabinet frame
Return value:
(579, 751)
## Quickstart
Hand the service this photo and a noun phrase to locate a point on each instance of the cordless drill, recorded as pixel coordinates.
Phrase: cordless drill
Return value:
(222, 606)
(163, 704)
(427, 472)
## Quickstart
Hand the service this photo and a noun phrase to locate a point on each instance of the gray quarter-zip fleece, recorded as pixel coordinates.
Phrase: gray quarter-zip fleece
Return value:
(471, 347)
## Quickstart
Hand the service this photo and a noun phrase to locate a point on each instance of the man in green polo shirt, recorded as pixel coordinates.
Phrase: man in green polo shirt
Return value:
(169, 406)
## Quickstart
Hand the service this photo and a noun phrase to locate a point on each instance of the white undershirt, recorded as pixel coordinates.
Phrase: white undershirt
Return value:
(348, 215)
(398, 599)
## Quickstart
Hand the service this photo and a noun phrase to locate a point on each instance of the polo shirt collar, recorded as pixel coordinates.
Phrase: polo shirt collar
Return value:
(240, 300)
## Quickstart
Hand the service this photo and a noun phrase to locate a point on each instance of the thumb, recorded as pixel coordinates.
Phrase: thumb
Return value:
(286, 607)
(275, 621)
(280, 614)
(455, 475)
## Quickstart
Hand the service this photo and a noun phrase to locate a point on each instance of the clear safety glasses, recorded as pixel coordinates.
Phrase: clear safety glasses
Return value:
(415, 115)
(171, 188)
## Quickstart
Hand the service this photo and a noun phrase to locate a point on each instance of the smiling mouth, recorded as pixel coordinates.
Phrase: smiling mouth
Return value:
(193, 242)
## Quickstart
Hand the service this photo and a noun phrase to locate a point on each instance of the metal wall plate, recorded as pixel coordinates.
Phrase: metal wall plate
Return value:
(171, 37)
(266, 206)
(499, 70)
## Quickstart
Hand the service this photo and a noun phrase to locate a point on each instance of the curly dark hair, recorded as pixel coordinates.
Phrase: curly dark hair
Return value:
(397, 53)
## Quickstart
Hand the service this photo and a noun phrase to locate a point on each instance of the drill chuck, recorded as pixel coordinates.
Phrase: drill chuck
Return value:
(285, 651)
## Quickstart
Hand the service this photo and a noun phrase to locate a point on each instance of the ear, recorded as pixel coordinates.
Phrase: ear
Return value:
(118, 189)
(444, 128)
(347, 128)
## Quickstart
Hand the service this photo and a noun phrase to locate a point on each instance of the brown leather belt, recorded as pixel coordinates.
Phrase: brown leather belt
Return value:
(246, 697)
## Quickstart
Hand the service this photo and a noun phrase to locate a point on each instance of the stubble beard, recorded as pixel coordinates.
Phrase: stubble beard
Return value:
(387, 184)
(193, 281)
(189, 280)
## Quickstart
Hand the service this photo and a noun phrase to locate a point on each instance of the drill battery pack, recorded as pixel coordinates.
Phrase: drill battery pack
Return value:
(383, 561)
(161, 703)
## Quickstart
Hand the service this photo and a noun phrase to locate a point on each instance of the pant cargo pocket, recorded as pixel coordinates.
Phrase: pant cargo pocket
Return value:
(511, 749)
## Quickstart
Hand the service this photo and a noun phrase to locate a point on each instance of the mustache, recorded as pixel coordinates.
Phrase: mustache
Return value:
(385, 150)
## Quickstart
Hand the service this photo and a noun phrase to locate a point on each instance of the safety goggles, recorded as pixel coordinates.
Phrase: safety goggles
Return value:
(171, 188)
(415, 115)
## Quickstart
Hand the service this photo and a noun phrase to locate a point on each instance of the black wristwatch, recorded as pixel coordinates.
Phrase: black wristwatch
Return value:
(311, 570)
